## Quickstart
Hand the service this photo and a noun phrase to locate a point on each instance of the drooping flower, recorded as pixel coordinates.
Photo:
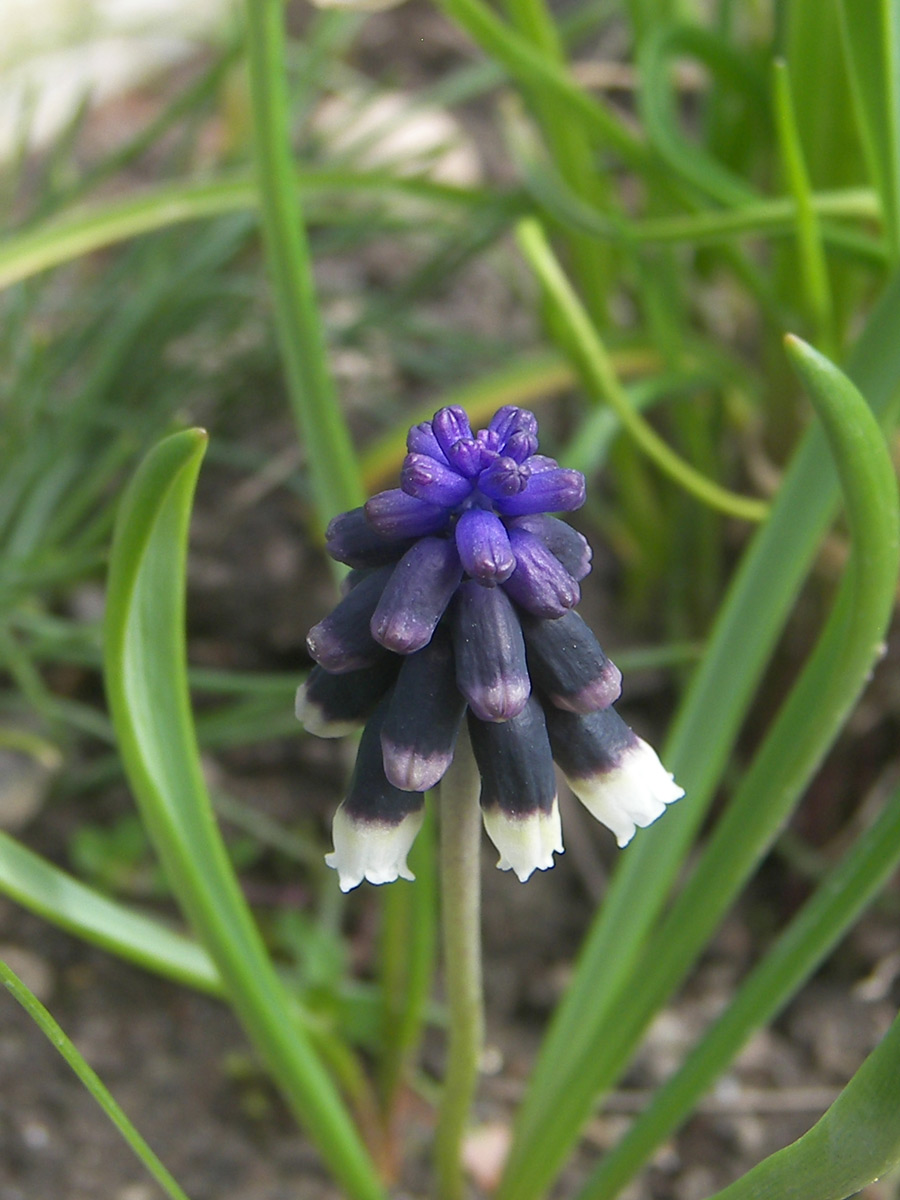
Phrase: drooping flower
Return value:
(460, 605)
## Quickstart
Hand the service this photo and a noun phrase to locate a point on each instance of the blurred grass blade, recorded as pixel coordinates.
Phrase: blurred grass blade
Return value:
(44, 889)
(856, 1142)
(872, 41)
(688, 159)
(602, 1038)
(333, 471)
(90, 1079)
(814, 270)
(841, 897)
(602, 382)
(91, 227)
(146, 682)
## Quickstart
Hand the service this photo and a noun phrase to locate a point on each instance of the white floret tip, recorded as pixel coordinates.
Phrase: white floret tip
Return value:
(375, 851)
(526, 844)
(630, 796)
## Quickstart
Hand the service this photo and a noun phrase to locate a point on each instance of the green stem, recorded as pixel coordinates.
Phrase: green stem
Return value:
(460, 833)
(323, 431)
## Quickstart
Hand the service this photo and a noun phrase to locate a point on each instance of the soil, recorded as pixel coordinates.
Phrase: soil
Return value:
(179, 1064)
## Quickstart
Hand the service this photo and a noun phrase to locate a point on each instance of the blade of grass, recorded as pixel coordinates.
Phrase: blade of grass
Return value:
(842, 896)
(63, 900)
(94, 226)
(331, 461)
(814, 270)
(602, 382)
(146, 683)
(688, 159)
(92, 1082)
(872, 44)
(564, 1087)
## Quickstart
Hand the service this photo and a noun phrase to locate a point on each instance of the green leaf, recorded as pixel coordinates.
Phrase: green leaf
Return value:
(89, 1078)
(837, 902)
(872, 43)
(600, 1023)
(146, 683)
(53, 894)
(856, 1142)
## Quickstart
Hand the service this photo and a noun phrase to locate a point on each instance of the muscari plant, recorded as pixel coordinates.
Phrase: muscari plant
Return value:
(469, 603)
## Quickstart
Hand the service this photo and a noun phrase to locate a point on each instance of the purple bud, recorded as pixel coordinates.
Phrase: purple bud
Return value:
(394, 514)
(351, 539)
(510, 420)
(483, 545)
(540, 583)
(555, 490)
(343, 641)
(503, 478)
(449, 425)
(567, 663)
(416, 595)
(489, 440)
(538, 463)
(427, 479)
(419, 732)
(491, 669)
(421, 440)
(521, 445)
(468, 457)
(572, 550)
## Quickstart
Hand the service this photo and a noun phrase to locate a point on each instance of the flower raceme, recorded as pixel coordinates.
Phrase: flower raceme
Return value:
(460, 606)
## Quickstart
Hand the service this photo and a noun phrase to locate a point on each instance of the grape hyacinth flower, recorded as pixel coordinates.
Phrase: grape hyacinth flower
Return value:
(460, 605)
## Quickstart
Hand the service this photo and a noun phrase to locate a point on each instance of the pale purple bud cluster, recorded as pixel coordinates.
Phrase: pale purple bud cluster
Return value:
(460, 603)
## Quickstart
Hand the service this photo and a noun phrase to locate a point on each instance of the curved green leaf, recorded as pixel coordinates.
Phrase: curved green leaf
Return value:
(146, 683)
(50, 892)
(856, 1142)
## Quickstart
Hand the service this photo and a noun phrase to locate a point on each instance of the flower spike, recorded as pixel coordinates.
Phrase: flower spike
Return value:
(461, 598)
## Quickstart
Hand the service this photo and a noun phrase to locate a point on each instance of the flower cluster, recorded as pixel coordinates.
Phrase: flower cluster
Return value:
(460, 604)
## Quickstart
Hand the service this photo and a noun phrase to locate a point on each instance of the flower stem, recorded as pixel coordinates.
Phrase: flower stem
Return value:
(460, 836)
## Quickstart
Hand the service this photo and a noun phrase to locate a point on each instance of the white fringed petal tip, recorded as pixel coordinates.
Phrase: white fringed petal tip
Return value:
(632, 795)
(371, 850)
(526, 844)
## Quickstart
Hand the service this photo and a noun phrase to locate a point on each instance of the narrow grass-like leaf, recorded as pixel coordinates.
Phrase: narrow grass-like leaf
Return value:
(809, 241)
(691, 161)
(536, 71)
(334, 476)
(603, 383)
(856, 1142)
(58, 897)
(601, 1022)
(146, 681)
(92, 1082)
(872, 41)
(840, 898)
(94, 226)
(706, 726)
